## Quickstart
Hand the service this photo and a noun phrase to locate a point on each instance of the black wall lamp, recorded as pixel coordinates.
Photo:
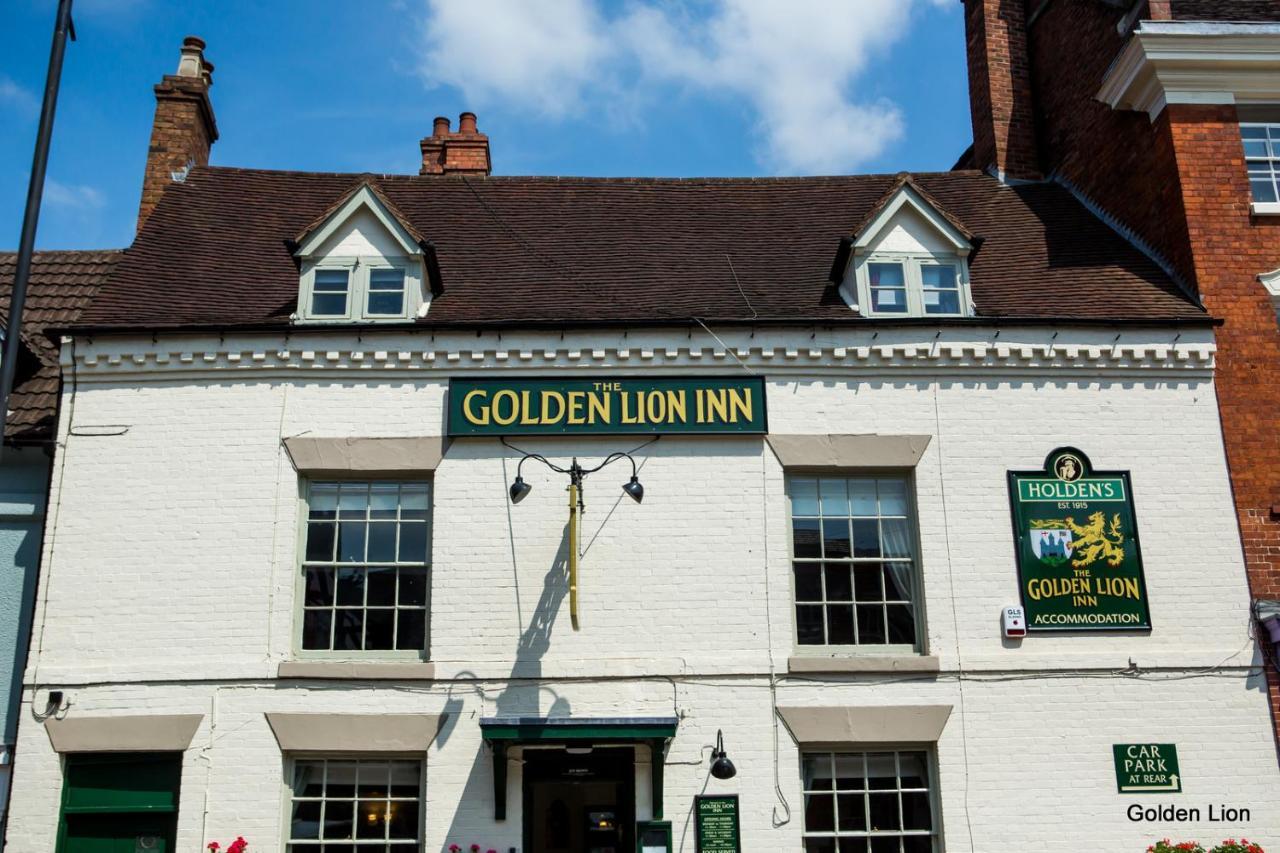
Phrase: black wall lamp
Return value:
(721, 766)
(520, 489)
(577, 474)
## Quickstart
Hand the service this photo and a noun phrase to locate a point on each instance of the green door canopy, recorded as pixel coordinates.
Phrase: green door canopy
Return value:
(594, 729)
(505, 731)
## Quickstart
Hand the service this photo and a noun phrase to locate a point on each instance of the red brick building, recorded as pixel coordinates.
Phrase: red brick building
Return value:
(1163, 115)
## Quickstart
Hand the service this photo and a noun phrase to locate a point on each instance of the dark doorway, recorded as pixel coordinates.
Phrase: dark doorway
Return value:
(582, 802)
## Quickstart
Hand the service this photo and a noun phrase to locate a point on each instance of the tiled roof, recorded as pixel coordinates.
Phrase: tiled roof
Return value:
(215, 253)
(1224, 10)
(61, 285)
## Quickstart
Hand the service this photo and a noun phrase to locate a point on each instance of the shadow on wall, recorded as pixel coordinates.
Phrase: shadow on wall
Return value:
(473, 817)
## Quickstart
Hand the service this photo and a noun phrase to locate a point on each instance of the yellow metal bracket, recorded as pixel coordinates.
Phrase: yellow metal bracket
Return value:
(573, 555)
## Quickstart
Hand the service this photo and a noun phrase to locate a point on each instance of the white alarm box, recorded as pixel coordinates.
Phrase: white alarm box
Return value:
(1014, 622)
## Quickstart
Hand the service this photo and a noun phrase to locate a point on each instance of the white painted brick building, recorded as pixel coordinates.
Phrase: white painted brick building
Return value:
(170, 581)
(288, 592)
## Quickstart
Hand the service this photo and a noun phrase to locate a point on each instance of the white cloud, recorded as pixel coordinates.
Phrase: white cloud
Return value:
(796, 64)
(540, 53)
(17, 97)
(73, 196)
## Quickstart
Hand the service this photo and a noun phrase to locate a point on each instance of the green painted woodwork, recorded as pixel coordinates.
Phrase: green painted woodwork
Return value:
(503, 732)
(653, 836)
(658, 751)
(607, 406)
(1076, 534)
(534, 732)
(116, 782)
(119, 803)
(109, 833)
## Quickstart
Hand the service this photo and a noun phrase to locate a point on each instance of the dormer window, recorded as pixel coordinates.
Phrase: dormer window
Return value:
(363, 263)
(907, 260)
(365, 288)
(913, 286)
(331, 293)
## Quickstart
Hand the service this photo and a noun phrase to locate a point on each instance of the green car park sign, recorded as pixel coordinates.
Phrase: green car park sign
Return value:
(1079, 565)
(606, 406)
(1147, 768)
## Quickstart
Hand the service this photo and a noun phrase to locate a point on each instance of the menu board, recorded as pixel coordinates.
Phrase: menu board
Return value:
(718, 828)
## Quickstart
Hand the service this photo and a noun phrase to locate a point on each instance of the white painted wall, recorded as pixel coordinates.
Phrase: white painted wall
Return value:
(173, 565)
(910, 233)
(361, 235)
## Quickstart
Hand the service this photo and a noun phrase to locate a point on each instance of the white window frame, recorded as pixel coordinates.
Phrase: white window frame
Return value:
(347, 265)
(358, 288)
(1263, 208)
(290, 764)
(914, 281)
(827, 650)
(931, 767)
(300, 578)
(366, 269)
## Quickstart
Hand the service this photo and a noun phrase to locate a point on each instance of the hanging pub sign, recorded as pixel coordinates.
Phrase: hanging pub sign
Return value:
(1079, 565)
(606, 405)
(718, 829)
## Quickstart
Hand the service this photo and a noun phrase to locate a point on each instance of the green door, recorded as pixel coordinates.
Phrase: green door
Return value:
(120, 803)
(129, 833)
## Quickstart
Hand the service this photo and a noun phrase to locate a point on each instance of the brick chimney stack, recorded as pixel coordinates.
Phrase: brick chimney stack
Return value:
(461, 152)
(1000, 100)
(184, 127)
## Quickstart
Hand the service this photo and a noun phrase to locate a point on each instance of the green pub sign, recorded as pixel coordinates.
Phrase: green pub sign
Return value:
(1079, 566)
(606, 405)
(718, 827)
(1147, 768)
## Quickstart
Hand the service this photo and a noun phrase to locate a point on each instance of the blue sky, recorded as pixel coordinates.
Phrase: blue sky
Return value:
(568, 87)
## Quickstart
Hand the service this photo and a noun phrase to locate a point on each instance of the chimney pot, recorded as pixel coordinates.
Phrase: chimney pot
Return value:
(465, 152)
(191, 62)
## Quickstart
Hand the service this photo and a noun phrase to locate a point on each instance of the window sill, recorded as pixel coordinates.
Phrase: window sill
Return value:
(1265, 208)
(357, 670)
(351, 321)
(862, 663)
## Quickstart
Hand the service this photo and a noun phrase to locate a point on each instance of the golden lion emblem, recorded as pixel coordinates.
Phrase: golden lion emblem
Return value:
(1092, 541)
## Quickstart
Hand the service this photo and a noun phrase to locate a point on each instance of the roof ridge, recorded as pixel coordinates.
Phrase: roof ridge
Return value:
(4, 253)
(677, 179)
